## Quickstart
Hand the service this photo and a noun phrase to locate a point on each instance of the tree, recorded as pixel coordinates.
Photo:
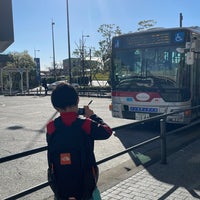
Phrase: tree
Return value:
(20, 60)
(107, 31)
(145, 24)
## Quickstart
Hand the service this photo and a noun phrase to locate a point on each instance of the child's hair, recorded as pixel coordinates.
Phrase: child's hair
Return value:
(64, 95)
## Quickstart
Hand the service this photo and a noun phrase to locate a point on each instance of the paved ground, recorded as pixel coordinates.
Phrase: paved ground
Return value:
(179, 179)
(21, 120)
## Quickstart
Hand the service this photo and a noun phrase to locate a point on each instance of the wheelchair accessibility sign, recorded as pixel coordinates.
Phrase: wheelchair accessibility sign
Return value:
(179, 37)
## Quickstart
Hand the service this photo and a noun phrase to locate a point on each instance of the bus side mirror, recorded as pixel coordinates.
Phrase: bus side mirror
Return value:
(190, 58)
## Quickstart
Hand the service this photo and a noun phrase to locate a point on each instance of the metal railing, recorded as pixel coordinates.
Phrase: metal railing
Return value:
(163, 149)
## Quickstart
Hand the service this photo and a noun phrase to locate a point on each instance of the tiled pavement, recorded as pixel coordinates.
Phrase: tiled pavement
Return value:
(179, 179)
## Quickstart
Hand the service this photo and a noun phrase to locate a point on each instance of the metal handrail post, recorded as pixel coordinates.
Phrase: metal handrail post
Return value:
(163, 141)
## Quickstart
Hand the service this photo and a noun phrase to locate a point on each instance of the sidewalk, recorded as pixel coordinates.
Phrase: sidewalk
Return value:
(179, 179)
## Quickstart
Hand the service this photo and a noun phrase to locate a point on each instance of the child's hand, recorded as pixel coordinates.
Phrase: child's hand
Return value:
(88, 112)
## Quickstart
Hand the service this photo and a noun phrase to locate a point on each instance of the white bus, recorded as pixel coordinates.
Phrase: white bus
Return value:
(156, 71)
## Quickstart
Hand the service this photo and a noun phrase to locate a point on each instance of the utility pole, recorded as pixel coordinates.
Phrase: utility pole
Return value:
(181, 19)
(90, 67)
(37, 63)
(69, 53)
(35, 50)
(83, 54)
(54, 62)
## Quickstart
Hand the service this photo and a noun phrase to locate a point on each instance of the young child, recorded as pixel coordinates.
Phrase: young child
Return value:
(71, 137)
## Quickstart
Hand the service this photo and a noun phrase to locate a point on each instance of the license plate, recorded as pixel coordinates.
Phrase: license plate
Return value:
(141, 116)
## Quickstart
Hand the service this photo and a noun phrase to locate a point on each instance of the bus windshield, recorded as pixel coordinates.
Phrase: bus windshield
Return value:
(158, 67)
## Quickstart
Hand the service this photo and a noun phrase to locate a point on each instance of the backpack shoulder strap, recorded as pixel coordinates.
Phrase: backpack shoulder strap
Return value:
(58, 123)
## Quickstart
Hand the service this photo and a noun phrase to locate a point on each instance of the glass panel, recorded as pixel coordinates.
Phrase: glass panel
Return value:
(162, 67)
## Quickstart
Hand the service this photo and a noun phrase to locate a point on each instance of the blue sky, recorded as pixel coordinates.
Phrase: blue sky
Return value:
(33, 18)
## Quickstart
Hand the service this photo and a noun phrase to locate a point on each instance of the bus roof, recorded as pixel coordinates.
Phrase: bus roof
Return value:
(195, 29)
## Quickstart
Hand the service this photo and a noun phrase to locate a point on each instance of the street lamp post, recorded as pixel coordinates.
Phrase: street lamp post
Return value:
(83, 54)
(35, 51)
(68, 34)
(54, 63)
(37, 65)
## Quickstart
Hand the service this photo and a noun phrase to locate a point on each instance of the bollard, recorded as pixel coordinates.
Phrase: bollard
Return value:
(163, 141)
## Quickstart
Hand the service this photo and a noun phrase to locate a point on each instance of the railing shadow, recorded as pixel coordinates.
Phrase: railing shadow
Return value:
(135, 135)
